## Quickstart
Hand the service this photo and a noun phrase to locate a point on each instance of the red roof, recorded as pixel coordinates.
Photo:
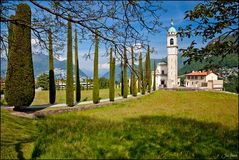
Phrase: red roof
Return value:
(200, 73)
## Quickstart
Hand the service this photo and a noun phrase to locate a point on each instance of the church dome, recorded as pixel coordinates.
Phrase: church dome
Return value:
(172, 29)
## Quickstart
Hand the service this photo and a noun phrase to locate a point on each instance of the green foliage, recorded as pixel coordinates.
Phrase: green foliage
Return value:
(104, 83)
(216, 19)
(77, 81)
(154, 83)
(134, 89)
(20, 85)
(230, 61)
(125, 94)
(52, 86)
(112, 77)
(96, 80)
(122, 78)
(231, 84)
(69, 78)
(147, 75)
(140, 72)
(43, 81)
(144, 77)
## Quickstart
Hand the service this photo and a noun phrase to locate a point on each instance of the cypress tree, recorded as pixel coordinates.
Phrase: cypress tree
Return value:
(20, 84)
(122, 78)
(111, 81)
(154, 84)
(77, 78)
(140, 73)
(130, 85)
(69, 79)
(134, 89)
(52, 86)
(144, 80)
(125, 75)
(149, 76)
(96, 80)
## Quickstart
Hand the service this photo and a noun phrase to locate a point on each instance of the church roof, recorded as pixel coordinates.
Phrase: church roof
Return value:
(199, 73)
(172, 29)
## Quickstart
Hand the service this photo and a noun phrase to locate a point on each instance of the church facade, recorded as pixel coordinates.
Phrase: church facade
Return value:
(167, 72)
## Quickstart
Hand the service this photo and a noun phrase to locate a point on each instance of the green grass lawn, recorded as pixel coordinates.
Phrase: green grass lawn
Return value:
(165, 124)
(42, 97)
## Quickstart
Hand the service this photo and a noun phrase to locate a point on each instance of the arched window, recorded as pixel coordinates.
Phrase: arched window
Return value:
(171, 41)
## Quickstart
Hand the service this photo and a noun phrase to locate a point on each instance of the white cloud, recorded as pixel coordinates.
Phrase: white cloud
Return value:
(104, 66)
(34, 41)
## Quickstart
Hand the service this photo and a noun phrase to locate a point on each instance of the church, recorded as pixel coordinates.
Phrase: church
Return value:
(167, 72)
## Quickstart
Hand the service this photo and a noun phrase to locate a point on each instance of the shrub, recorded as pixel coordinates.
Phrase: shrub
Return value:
(20, 84)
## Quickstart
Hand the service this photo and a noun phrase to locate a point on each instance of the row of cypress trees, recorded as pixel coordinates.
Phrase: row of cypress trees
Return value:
(20, 85)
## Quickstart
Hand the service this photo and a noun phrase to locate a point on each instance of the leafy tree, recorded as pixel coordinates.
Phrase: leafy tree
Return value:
(140, 72)
(112, 77)
(212, 19)
(103, 83)
(43, 81)
(96, 80)
(69, 78)
(133, 83)
(78, 86)
(52, 86)
(231, 84)
(154, 83)
(20, 84)
(125, 94)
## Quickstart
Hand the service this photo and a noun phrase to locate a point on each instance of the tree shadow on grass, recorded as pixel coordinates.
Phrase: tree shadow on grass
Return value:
(149, 137)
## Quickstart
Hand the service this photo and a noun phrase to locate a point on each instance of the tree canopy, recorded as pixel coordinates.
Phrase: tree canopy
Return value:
(214, 21)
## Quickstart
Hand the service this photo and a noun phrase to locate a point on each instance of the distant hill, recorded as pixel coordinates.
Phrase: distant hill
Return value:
(117, 68)
(230, 61)
(40, 63)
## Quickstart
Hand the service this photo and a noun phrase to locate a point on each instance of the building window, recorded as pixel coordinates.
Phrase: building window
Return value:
(162, 71)
(171, 41)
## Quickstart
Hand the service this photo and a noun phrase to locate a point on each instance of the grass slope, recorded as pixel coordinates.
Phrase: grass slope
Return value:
(165, 124)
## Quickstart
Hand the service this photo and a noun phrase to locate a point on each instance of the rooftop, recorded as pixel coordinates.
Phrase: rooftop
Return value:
(200, 73)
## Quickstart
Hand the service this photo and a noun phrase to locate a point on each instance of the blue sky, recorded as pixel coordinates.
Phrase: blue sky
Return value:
(174, 9)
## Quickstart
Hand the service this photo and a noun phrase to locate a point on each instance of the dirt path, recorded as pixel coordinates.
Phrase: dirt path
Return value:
(37, 111)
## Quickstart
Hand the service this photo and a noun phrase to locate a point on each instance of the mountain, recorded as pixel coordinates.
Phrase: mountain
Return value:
(229, 61)
(40, 63)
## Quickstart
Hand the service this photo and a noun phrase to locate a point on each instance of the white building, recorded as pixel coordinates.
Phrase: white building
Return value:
(167, 73)
(203, 80)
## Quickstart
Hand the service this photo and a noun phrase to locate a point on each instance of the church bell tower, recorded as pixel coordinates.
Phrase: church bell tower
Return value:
(172, 49)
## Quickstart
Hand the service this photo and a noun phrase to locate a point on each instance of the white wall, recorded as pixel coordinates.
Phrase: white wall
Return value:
(211, 76)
